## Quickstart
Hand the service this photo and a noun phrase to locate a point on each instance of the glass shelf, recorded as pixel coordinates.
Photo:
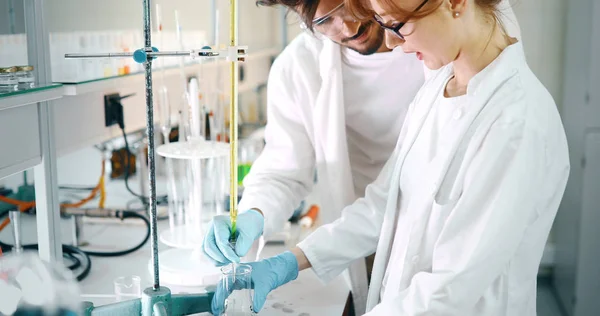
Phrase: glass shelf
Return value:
(38, 88)
(41, 93)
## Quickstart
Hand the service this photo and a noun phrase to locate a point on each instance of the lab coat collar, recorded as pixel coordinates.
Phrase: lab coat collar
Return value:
(480, 91)
(505, 65)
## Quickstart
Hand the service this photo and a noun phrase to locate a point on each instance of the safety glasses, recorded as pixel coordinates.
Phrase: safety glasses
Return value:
(395, 28)
(332, 23)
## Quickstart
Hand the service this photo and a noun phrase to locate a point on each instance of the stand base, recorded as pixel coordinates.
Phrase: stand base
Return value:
(185, 236)
(186, 267)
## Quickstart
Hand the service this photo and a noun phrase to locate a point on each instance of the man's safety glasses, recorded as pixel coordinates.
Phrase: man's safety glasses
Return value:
(332, 23)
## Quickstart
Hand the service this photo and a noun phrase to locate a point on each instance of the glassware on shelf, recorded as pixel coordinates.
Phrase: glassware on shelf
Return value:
(8, 80)
(26, 77)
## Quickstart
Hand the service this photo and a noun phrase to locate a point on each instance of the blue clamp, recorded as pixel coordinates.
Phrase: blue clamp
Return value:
(140, 56)
(205, 54)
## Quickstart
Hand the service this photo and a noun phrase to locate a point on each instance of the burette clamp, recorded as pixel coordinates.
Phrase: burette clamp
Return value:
(237, 53)
(140, 56)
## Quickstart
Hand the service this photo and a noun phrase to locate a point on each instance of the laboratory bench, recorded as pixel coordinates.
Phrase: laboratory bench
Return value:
(305, 296)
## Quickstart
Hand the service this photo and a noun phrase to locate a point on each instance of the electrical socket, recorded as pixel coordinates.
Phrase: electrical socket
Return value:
(113, 109)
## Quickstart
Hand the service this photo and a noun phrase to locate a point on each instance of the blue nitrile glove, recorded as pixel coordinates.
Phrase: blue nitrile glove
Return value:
(216, 245)
(266, 276)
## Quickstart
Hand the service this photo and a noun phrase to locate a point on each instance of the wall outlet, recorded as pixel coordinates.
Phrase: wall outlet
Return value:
(113, 109)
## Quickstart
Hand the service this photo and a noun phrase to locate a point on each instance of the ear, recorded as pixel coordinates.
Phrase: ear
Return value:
(456, 6)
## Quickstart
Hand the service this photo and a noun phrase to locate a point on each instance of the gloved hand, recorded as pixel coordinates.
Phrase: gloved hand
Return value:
(216, 245)
(266, 276)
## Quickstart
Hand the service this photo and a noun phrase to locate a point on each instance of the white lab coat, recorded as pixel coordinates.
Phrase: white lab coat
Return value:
(306, 132)
(488, 201)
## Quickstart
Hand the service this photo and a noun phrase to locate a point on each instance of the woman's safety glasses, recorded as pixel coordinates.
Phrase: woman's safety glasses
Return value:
(395, 28)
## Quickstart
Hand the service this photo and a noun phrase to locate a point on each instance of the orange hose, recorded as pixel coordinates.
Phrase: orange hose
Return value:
(5, 223)
(25, 205)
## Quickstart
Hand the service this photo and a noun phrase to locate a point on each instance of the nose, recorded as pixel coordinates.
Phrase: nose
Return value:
(392, 41)
(350, 28)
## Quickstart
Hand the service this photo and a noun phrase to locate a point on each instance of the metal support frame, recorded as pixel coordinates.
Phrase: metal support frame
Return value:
(158, 300)
(46, 186)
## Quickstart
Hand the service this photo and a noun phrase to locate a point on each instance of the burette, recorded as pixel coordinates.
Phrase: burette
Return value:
(233, 120)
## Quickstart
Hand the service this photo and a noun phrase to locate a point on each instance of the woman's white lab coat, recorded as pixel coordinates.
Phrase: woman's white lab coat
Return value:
(306, 132)
(472, 238)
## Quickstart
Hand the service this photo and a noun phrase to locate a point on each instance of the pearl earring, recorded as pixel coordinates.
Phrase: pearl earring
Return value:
(456, 14)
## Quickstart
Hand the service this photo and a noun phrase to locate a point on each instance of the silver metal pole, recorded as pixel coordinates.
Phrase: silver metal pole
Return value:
(151, 149)
(15, 219)
(284, 26)
(214, 23)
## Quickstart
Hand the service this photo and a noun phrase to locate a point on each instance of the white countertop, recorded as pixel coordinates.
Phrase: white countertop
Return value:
(304, 295)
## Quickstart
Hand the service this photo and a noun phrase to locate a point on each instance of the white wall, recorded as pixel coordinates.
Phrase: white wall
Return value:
(256, 29)
(543, 29)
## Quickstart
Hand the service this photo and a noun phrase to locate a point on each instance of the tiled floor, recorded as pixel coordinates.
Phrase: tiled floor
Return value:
(546, 301)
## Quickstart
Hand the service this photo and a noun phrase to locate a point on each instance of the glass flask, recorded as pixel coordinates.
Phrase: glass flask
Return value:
(128, 288)
(238, 282)
(30, 286)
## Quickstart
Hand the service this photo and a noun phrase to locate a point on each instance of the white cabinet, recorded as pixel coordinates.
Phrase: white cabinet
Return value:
(20, 140)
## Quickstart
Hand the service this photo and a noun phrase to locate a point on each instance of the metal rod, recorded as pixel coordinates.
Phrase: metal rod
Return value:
(151, 149)
(196, 53)
(233, 120)
(15, 219)
(214, 22)
(98, 55)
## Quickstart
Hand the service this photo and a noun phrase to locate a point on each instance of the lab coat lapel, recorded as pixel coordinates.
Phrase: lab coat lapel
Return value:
(411, 130)
(330, 127)
(333, 161)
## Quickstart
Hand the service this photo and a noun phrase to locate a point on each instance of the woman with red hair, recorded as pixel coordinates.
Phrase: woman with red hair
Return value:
(460, 214)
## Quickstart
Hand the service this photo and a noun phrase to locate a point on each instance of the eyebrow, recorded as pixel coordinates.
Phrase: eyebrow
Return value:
(407, 18)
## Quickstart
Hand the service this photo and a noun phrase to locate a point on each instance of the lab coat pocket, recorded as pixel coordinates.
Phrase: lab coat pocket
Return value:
(443, 203)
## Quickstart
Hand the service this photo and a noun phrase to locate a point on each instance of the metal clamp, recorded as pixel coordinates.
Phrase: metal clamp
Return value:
(142, 55)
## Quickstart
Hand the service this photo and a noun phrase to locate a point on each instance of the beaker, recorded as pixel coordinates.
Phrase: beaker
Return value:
(238, 283)
(127, 287)
(197, 185)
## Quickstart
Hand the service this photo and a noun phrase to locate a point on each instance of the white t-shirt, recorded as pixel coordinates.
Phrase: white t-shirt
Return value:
(423, 151)
(378, 89)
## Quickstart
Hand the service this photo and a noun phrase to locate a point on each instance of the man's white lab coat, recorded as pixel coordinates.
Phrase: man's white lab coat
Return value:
(487, 201)
(306, 132)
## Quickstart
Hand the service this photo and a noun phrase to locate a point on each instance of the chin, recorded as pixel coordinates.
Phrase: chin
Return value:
(433, 65)
(368, 48)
